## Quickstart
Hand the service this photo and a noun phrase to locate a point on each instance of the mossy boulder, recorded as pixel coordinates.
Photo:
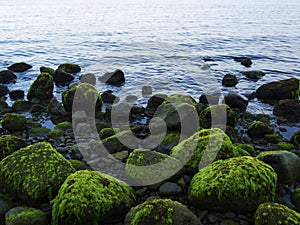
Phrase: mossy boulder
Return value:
(245, 147)
(162, 144)
(259, 129)
(219, 115)
(270, 213)
(44, 69)
(34, 173)
(295, 139)
(7, 76)
(69, 68)
(161, 212)
(14, 122)
(204, 146)
(144, 157)
(89, 198)
(41, 88)
(283, 89)
(288, 108)
(25, 216)
(84, 95)
(286, 164)
(19, 67)
(254, 74)
(9, 144)
(106, 132)
(21, 106)
(238, 184)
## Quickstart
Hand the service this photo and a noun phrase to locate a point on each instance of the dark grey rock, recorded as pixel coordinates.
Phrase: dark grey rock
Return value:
(253, 74)
(229, 80)
(236, 101)
(3, 90)
(16, 94)
(114, 78)
(19, 67)
(245, 61)
(168, 189)
(62, 77)
(7, 76)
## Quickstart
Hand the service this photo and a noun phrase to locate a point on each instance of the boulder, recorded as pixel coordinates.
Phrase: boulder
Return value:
(49, 70)
(236, 101)
(283, 89)
(114, 78)
(109, 97)
(285, 164)
(154, 102)
(16, 94)
(238, 184)
(21, 106)
(245, 61)
(62, 78)
(90, 197)
(57, 111)
(259, 129)
(41, 88)
(253, 74)
(229, 80)
(287, 108)
(9, 144)
(19, 67)
(270, 213)
(89, 78)
(25, 216)
(7, 76)
(203, 147)
(161, 211)
(211, 99)
(34, 173)
(69, 68)
(3, 90)
(14, 122)
(295, 139)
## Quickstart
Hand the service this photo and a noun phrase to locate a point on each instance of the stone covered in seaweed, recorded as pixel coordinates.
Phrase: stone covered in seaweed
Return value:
(34, 173)
(25, 216)
(237, 184)
(274, 213)
(91, 198)
(259, 129)
(69, 68)
(9, 144)
(42, 87)
(14, 122)
(161, 212)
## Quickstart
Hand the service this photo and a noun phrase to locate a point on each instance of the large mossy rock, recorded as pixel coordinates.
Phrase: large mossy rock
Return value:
(89, 198)
(204, 146)
(25, 216)
(34, 173)
(69, 68)
(14, 122)
(161, 212)
(283, 89)
(143, 157)
(237, 184)
(259, 129)
(218, 115)
(84, 95)
(9, 144)
(273, 213)
(42, 87)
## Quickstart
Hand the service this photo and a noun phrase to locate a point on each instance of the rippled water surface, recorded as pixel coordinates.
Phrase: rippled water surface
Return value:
(157, 43)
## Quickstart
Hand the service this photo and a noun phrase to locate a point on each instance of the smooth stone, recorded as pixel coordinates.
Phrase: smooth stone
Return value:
(62, 77)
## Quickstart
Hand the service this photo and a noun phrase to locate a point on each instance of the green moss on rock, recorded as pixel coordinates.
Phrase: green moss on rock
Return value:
(69, 68)
(64, 125)
(9, 144)
(34, 173)
(14, 122)
(213, 144)
(25, 216)
(246, 147)
(91, 198)
(237, 184)
(55, 134)
(275, 214)
(42, 87)
(259, 129)
(285, 145)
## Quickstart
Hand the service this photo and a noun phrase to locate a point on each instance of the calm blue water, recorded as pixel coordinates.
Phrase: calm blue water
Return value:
(157, 43)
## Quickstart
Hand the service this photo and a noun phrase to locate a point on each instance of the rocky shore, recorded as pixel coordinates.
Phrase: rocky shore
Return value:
(249, 173)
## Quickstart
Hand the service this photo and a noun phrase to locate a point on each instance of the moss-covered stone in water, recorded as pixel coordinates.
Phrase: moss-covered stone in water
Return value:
(162, 212)
(25, 216)
(178, 99)
(42, 87)
(34, 173)
(246, 147)
(64, 125)
(14, 122)
(69, 68)
(55, 134)
(78, 165)
(9, 144)
(237, 184)
(21, 106)
(285, 145)
(91, 198)
(106, 132)
(274, 213)
(259, 129)
(213, 143)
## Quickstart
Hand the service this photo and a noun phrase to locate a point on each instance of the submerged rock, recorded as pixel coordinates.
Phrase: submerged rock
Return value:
(19, 67)
(61, 77)
(237, 184)
(245, 61)
(41, 88)
(114, 78)
(7, 76)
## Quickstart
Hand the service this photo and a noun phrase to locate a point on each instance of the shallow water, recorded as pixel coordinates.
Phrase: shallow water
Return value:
(156, 43)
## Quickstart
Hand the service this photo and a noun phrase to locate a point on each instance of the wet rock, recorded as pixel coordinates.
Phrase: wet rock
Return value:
(9, 144)
(25, 216)
(283, 89)
(285, 164)
(3, 90)
(14, 122)
(21, 106)
(114, 78)
(259, 129)
(6, 205)
(237, 184)
(154, 102)
(7, 76)
(63, 78)
(245, 61)
(273, 213)
(69, 68)
(161, 211)
(146, 90)
(57, 111)
(229, 80)
(38, 132)
(16, 94)
(41, 88)
(114, 145)
(83, 190)
(89, 78)
(236, 101)
(295, 139)
(288, 108)
(169, 189)
(253, 74)
(211, 99)
(19, 67)
(109, 97)
(295, 198)
(49, 70)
